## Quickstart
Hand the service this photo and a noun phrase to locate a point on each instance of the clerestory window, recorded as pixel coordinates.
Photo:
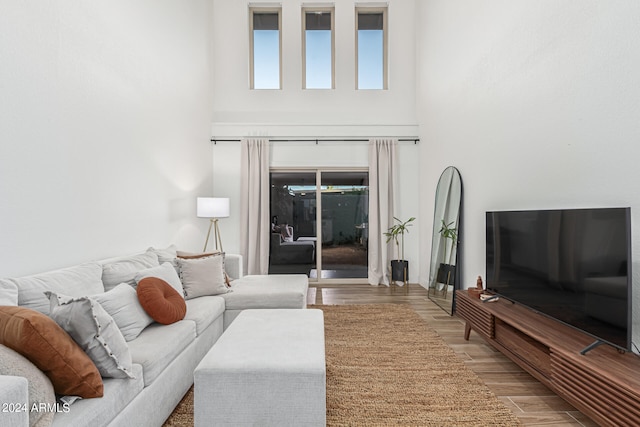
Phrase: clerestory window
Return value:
(265, 45)
(371, 47)
(318, 48)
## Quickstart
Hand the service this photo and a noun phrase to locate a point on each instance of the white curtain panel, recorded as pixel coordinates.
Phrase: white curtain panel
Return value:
(382, 161)
(255, 227)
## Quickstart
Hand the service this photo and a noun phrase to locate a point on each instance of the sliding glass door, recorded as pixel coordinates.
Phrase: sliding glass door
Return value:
(345, 213)
(293, 241)
(320, 223)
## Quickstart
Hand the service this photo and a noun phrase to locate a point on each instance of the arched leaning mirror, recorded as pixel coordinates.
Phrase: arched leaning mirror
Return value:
(444, 276)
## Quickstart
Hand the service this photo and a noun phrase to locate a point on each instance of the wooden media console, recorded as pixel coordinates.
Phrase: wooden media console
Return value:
(603, 384)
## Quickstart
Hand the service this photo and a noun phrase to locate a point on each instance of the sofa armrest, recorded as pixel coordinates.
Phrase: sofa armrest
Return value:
(233, 265)
(14, 401)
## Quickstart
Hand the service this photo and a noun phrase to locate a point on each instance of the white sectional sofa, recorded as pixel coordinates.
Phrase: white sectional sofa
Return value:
(163, 356)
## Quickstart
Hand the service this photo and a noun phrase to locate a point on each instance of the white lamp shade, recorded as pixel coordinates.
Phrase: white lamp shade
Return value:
(212, 207)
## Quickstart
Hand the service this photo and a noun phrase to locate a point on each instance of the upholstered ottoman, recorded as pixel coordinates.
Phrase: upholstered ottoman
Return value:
(267, 369)
(265, 291)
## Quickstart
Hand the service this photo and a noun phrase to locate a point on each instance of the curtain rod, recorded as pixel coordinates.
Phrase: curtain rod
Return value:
(317, 140)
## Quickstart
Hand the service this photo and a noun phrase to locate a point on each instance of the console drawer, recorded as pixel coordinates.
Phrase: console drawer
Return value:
(527, 349)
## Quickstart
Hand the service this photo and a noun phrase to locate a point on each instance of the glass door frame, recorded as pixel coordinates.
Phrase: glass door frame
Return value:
(318, 171)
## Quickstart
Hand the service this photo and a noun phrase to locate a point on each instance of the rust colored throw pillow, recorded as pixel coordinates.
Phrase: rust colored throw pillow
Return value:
(161, 301)
(39, 338)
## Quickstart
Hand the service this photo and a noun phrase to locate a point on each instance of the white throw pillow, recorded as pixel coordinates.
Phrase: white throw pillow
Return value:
(122, 304)
(287, 233)
(124, 270)
(40, 388)
(166, 272)
(95, 331)
(203, 276)
(167, 254)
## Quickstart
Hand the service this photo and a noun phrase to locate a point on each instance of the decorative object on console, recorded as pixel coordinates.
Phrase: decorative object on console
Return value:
(213, 208)
(478, 290)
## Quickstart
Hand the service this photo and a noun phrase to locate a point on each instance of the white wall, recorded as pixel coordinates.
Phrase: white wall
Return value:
(234, 103)
(104, 126)
(293, 112)
(537, 104)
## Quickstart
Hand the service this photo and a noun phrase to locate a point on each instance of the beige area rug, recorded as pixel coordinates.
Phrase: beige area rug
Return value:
(387, 367)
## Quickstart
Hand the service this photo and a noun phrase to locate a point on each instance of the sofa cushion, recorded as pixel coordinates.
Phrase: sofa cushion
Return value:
(8, 292)
(40, 387)
(166, 272)
(157, 346)
(204, 311)
(118, 393)
(203, 276)
(122, 304)
(160, 300)
(167, 254)
(40, 339)
(124, 270)
(95, 331)
(268, 291)
(83, 279)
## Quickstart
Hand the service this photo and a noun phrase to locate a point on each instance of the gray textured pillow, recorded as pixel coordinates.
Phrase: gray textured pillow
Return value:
(124, 270)
(95, 331)
(40, 388)
(122, 304)
(202, 276)
(166, 272)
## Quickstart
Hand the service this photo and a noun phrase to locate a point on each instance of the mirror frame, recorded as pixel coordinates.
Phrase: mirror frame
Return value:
(447, 205)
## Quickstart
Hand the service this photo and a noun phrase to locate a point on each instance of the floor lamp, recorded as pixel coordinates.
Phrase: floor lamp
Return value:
(213, 208)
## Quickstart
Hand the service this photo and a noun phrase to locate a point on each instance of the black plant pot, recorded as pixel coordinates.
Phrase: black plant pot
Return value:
(446, 274)
(399, 270)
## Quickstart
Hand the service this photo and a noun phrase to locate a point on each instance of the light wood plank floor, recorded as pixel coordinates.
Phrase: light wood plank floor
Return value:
(533, 403)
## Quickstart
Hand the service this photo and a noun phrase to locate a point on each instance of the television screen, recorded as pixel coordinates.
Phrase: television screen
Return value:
(571, 264)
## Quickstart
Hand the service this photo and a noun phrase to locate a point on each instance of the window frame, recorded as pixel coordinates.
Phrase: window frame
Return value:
(384, 10)
(257, 9)
(305, 10)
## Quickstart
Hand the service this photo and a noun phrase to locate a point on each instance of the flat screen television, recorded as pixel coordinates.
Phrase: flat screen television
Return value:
(573, 265)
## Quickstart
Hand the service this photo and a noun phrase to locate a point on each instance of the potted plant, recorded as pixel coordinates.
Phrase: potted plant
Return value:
(446, 271)
(399, 267)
